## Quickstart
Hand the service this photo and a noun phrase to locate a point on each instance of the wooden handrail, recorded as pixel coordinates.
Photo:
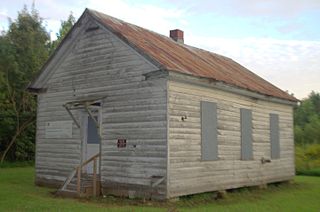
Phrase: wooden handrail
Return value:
(77, 171)
(94, 177)
(88, 161)
(79, 168)
(78, 180)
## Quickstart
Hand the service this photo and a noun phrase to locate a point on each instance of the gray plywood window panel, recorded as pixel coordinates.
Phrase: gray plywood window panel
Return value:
(274, 136)
(209, 134)
(246, 134)
(92, 134)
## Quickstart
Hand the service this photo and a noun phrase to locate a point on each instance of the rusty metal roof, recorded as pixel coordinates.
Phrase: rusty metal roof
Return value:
(173, 56)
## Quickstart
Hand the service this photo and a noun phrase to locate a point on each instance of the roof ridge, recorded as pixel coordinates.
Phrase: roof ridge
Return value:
(156, 33)
(95, 12)
(159, 34)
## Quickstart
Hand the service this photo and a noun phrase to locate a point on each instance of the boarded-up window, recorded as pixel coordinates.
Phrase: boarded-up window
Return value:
(274, 136)
(92, 134)
(246, 134)
(58, 129)
(209, 140)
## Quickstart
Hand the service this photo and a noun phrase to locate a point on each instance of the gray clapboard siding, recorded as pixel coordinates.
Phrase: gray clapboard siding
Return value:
(147, 112)
(189, 174)
(99, 64)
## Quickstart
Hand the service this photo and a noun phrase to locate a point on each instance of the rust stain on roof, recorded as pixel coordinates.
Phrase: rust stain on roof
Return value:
(182, 58)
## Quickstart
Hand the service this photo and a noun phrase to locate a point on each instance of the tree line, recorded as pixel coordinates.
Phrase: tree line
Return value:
(26, 46)
(307, 120)
(307, 135)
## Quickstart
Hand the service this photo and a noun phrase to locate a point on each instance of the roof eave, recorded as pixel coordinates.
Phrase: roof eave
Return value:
(34, 83)
(207, 82)
(36, 90)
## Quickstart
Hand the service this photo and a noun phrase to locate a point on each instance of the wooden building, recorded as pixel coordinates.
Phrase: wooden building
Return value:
(147, 116)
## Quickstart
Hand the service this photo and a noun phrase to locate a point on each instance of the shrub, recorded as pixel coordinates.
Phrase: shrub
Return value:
(307, 158)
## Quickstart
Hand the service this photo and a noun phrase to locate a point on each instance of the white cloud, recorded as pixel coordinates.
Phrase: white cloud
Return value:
(156, 18)
(3, 13)
(289, 64)
(273, 8)
(247, 8)
(3, 19)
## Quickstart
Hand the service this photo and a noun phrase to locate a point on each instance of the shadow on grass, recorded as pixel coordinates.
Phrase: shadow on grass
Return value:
(311, 172)
(7, 164)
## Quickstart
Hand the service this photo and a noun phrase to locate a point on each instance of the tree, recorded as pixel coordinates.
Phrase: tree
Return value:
(23, 50)
(63, 31)
(312, 130)
(315, 99)
(307, 120)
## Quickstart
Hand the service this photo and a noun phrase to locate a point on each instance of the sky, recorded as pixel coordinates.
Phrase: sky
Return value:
(277, 39)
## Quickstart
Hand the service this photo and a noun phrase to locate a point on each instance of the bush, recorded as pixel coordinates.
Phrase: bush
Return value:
(308, 159)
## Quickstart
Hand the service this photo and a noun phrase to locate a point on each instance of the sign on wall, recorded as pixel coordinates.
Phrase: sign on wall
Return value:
(122, 143)
(58, 129)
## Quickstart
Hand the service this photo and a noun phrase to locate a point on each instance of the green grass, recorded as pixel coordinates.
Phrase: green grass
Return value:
(18, 193)
(311, 172)
(7, 164)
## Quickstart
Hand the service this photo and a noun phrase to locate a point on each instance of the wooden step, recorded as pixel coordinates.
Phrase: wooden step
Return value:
(70, 186)
(85, 186)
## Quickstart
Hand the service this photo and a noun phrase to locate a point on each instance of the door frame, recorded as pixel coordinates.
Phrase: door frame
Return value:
(84, 124)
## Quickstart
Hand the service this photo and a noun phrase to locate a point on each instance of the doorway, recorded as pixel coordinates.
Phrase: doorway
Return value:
(91, 144)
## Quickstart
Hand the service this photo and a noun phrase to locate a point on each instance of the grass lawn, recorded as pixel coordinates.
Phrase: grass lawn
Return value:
(311, 172)
(18, 193)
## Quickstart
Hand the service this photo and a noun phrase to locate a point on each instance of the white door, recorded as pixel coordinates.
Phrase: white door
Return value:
(92, 144)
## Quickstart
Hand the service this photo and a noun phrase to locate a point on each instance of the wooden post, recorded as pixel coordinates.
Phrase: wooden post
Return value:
(79, 179)
(72, 116)
(94, 177)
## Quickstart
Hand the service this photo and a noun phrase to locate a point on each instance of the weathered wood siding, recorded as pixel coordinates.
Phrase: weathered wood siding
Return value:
(188, 174)
(99, 64)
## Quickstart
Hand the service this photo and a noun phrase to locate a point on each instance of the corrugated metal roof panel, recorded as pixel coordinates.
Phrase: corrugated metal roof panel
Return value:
(186, 59)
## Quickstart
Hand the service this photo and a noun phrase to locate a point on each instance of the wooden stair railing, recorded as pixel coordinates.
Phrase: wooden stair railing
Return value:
(78, 170)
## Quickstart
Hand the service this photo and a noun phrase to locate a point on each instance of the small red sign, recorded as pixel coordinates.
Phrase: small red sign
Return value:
(122, 143)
